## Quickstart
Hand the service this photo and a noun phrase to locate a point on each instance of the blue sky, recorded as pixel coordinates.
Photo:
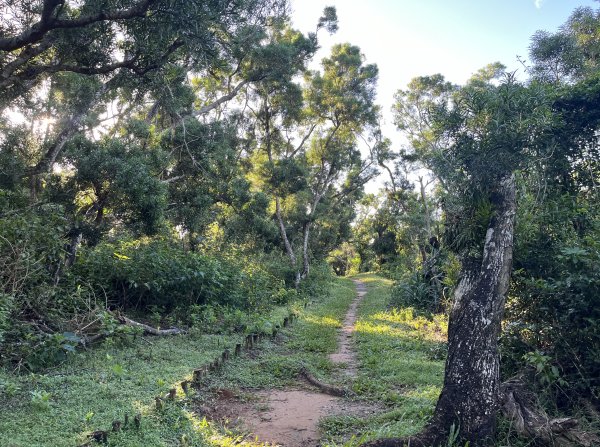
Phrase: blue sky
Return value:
(408, 38)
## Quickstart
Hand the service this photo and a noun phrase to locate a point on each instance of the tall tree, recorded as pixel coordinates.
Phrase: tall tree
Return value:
(310, 138)
(475, 138)
(570, 54)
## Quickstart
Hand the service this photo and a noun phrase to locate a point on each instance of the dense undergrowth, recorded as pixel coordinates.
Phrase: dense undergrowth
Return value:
(50, 305)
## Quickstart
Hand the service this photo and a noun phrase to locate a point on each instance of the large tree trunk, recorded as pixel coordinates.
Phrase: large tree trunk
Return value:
(470, 398)
(471, 392)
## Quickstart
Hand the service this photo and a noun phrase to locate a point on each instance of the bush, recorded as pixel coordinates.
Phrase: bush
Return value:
(557, 318)
(413, 290)
(318, 283)
(153, 272)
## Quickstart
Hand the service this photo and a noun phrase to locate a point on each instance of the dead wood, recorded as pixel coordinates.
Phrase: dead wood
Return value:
(148, 329)
(87, 340)
(325, 388)
(532, 422)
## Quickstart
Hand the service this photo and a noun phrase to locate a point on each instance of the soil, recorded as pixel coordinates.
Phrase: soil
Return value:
(345, 354)
(290, 417)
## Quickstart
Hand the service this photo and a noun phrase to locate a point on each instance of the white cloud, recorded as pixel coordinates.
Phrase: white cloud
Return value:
(538, 3)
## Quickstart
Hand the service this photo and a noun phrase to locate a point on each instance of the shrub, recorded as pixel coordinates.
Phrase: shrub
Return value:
(558, 318)
(413, 290)
(154, 272)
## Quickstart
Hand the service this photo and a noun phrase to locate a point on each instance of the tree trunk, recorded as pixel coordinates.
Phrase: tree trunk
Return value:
(305, 260)
(286, 242)
(471, 392)
(471, 395)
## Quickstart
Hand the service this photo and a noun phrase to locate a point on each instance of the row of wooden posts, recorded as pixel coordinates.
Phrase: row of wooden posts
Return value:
(250, 341)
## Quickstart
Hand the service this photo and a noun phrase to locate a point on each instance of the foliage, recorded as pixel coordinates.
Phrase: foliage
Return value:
(414, 290)
(344, 261)
(569, 54)
(154, 272)
(557, 317)
(98, 386)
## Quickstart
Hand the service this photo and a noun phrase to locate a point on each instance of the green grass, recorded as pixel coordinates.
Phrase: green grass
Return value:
(307, 344)
(401, 366)
(63, 406)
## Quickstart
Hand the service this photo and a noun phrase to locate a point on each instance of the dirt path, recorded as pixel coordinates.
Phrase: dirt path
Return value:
(290, 417)
(345, 354)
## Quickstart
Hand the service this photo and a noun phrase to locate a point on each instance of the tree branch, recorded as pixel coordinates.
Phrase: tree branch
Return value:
(47, 22)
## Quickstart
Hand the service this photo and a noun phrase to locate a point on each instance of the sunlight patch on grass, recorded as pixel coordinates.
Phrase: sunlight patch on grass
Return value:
(401, 365)
(402, 322)
(323, 321)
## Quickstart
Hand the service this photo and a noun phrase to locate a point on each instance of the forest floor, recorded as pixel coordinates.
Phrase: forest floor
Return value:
(390, 361)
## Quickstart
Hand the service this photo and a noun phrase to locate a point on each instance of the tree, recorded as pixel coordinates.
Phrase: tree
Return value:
(474, 138)
(313, 165)
(570, 54)
(72, 59)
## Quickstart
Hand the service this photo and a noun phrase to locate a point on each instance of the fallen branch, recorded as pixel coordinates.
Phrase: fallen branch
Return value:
(148, 329)
(87, 340)
(327, 389)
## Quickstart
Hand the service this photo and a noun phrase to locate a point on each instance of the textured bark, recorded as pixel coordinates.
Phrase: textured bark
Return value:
(471, 392)
(471, 398)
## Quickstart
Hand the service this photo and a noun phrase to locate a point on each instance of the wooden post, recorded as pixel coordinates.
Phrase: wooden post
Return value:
(100, 436)
(198, 375)
(238, 349)
(137, 421)
(172, 394)
(185, 386)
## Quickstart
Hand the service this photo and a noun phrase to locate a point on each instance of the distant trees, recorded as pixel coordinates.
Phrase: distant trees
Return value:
(572, 53)
(310, 137)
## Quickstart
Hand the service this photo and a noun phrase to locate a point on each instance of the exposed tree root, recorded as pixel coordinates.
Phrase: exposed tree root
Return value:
(528, 420)
(531, 422)
(325, 388)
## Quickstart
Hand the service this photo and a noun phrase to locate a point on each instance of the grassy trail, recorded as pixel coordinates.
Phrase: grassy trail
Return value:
(400, 369)
(63, 406)
(401, 365)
